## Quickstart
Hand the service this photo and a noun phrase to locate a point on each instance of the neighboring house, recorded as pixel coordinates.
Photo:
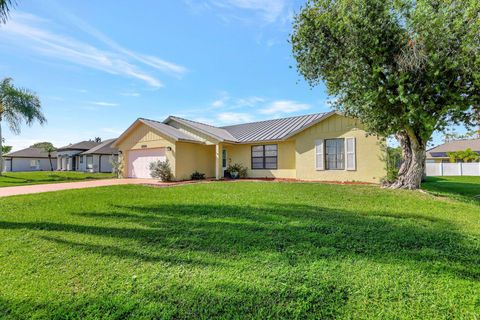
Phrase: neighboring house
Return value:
(99, 158)
(29, 159)
(438, 162)
(439, 153)
(322, 146)
(87, 156)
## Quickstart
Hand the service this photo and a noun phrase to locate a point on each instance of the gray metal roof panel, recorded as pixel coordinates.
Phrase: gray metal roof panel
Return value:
(169, 130)
(270, 130)
(216, 132)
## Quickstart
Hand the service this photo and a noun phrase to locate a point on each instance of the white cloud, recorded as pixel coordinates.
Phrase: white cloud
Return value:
(104, 103)
(268, 11)
(234, 117)
(35, 34)
(130, 94)
(284, 106)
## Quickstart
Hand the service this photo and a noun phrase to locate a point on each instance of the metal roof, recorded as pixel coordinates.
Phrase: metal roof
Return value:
(83, 145)
(456, 145)
(276, 129)
(169, 130)
(103, 148)
(216, 132)
(30, 153)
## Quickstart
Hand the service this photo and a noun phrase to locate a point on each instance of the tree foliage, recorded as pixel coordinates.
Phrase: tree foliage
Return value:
(18, 106)
(403, 67)
(5, 7)
(43, 145)
(465, 156)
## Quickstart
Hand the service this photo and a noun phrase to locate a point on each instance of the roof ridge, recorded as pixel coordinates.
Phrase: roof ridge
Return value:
(205, 124)
(291, 117)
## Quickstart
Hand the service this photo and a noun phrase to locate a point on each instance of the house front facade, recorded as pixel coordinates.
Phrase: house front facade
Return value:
(87, 156)
(29, 159)
(322, 146)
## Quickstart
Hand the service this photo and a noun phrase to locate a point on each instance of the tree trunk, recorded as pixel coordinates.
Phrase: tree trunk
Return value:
(412, 170)
(50, 159)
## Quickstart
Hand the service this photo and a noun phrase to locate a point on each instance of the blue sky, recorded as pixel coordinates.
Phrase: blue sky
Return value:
(99, 65)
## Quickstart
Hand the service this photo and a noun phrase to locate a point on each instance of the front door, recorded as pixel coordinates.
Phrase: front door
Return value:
(224, 160)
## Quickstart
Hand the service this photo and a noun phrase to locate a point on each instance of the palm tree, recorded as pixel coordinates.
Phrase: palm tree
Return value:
(49, 150)
(5, 6)
(17, 105)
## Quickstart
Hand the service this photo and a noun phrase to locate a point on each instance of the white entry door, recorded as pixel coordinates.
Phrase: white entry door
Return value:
(139, 161)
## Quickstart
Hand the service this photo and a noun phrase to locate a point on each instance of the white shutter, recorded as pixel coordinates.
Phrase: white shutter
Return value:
(319, 155)
(351, 163)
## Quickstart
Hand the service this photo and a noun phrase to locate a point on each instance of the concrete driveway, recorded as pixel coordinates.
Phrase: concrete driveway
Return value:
(39, 188)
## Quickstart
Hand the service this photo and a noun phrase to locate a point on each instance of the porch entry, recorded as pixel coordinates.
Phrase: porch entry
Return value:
(224, 161)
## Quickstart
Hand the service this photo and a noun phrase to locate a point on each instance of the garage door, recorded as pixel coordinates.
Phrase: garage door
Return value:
(139, 161)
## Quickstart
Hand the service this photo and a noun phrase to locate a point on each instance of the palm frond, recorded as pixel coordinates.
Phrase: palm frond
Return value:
(18, 105)
(5, 7)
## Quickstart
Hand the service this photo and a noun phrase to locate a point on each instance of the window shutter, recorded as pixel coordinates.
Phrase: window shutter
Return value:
(319, 155)
(351, 163)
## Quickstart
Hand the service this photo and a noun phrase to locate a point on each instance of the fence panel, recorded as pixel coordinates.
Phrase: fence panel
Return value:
(471, 169)
(453, 169)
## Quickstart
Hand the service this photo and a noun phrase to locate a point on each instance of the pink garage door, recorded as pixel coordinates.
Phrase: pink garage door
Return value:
(139, 161)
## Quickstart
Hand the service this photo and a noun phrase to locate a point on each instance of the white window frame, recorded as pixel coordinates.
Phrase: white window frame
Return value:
(350, 166)
(319, 153)
(36, 165)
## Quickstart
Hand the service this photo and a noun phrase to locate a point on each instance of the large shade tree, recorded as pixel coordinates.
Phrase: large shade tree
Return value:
(17, 105)
(403, 67)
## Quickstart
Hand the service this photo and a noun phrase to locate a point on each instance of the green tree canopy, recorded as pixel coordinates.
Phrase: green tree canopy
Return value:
(403, 67)
(43, 145)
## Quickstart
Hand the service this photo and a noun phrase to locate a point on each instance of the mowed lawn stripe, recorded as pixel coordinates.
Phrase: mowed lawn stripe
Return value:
(239, 250)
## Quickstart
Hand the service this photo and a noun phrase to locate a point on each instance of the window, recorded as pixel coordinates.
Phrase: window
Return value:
(89, 162)
(34, 164)
(81, 159)
(264, 157)
(224, 158)
(334, 154)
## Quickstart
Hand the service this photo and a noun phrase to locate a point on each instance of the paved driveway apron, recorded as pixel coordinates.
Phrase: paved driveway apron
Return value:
(39, 188)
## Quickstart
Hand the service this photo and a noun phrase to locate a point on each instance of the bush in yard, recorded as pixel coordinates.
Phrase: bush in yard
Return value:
(464, 156)
(237, 171)
(197, 176)
(161, 170)
(393, 160)
(117, 166)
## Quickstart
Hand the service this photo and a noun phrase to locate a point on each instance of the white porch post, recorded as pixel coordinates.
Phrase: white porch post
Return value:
(217, 161)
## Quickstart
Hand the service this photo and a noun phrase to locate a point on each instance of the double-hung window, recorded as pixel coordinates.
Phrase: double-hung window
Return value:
(35, 164)
(265, 156)
(89, 162)
(334, 154)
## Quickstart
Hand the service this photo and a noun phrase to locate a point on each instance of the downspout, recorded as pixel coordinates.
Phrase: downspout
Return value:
(100, 163)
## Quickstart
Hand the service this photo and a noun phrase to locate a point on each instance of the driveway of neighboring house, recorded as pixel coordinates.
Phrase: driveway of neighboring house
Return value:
(11, 191)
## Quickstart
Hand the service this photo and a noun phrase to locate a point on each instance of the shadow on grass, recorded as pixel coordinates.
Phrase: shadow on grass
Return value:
(183, 301)
(461, 188)
(295, 233)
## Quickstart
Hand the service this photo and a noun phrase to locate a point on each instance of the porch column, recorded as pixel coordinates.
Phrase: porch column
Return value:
(218, 154)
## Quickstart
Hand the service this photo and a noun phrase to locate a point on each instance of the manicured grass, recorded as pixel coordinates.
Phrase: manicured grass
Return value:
(461, 188)
(239, 250)
(10, 179)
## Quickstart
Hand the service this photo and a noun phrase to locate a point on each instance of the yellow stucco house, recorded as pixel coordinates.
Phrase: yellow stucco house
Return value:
(322, 146)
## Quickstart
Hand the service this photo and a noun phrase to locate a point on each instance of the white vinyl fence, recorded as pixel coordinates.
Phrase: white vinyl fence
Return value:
(453, 169)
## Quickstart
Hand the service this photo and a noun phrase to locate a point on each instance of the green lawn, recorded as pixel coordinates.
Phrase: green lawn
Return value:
(461, 188)
(10, 179)
(239, 250)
